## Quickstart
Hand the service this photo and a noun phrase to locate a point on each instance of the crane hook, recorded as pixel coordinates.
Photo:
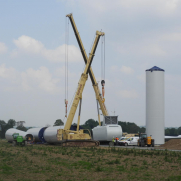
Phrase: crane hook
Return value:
(66, 102)
(103, 90)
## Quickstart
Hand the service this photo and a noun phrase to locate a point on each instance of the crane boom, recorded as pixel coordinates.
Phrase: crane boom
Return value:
(81, 84)
(91, 74)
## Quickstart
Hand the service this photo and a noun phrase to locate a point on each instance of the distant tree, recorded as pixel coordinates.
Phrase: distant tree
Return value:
(11, 123)
(3, 129)
(22, 128)
(90, 124)
(29, 128)
(47, 125)
(58, 122)
(129, 127)
(5, 126)
(124, 126)
(173, 132)
(179, 131)
(142, 130)
(167, 132)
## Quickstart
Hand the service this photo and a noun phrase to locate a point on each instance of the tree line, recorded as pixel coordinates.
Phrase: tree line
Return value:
(89, 124)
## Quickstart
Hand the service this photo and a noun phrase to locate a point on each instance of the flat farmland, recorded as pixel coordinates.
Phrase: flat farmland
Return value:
(50, 162)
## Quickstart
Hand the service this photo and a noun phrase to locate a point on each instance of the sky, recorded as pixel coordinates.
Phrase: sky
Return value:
(139, 34)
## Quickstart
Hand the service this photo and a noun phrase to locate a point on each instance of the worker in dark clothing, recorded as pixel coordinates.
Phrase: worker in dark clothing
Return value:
(117, 140)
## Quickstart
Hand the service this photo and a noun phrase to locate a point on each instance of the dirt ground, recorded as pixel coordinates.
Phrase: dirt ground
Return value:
(55, 163)
(173, 144)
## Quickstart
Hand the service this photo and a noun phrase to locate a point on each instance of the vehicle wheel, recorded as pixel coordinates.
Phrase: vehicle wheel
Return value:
(142, 144)
(14, 143)
(152, 143)
(126, 144)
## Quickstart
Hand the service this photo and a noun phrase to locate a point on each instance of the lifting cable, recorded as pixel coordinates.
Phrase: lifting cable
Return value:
(66, 62)
(103, 66)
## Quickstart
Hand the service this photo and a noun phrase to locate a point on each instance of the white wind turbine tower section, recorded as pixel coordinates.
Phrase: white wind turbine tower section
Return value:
(155, 103)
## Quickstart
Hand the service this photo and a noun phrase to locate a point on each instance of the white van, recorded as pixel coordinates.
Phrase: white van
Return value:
(130, 141)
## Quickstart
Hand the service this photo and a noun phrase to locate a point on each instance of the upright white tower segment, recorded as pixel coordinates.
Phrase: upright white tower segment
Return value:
(155, 124)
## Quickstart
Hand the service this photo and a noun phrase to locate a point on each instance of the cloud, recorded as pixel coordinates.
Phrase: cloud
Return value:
(28, 45)
(29, 80)
(171, 37)
(142, 78)
(135, 8)
(8, 73)
(3, 48)
(128, 94)
(60, 72)
(152, 49)
(127, 70)
(40, 78)
(114, 68)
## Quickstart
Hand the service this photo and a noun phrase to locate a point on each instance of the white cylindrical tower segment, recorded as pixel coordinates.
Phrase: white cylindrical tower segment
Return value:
(155, 103)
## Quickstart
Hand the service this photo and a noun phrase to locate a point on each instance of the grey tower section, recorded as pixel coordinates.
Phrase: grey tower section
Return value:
(155, 104)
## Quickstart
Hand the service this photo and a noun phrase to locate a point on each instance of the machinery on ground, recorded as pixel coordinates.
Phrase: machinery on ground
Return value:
(129, 141)
(99, 97)
(145, 141)
(19, 140)
(110, 127)
(66, 136)
(9, 135)
(38, 134)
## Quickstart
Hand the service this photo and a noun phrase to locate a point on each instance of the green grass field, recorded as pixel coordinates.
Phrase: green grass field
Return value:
(47, 162)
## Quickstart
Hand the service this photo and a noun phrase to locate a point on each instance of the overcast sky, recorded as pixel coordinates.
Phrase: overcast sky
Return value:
(140, 34)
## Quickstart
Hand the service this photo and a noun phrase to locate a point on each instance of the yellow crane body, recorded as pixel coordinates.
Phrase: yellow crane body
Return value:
(78, 138)
(91, 74)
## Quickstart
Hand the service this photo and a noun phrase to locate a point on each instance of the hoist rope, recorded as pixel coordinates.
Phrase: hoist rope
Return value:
(101, 61)
(71, 101)
(65, 53)
(66, 62)
(104, 58)
(67, 56)
(103, 66)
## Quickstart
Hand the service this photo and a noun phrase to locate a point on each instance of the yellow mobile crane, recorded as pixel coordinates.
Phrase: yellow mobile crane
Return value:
(66, 136)
(110, 123)
(99, 97)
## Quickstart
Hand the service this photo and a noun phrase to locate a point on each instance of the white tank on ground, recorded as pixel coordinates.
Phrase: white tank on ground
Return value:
(109, 130)
(50, 134)
(37, 134)
(9, 134)
(107, 133)
(155, 124)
